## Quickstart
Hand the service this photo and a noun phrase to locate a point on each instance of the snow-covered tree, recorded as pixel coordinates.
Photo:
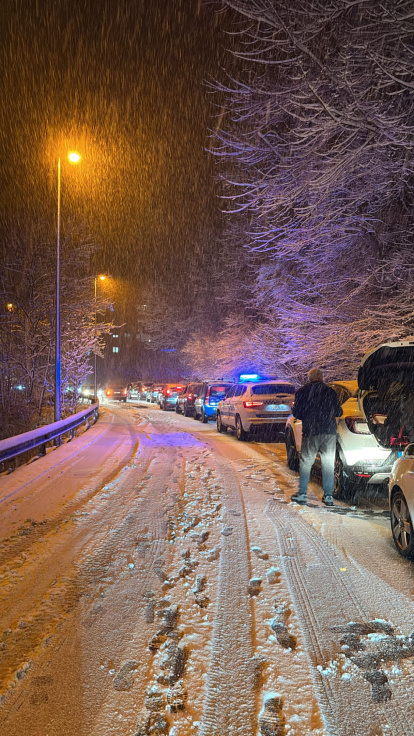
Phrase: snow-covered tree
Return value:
(316, 148)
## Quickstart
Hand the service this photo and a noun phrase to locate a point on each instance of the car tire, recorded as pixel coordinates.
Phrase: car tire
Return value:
(241, 433)
(402, 525)
(292, 455)
(220, 426)
(196, 416)
(186, 412)
(204, 417)
(177, 409)
(342, 483)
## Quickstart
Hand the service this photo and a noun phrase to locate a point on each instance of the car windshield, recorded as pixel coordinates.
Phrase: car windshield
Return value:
(273, 388)
(218, 390)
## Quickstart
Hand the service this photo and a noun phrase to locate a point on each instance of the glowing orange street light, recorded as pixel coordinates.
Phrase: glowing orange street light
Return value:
(74, 158)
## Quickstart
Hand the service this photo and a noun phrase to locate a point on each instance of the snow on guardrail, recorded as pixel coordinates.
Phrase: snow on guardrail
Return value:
(13, 446)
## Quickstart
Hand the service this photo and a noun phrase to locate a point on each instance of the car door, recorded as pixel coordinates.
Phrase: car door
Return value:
(239, 389)
(224, 410)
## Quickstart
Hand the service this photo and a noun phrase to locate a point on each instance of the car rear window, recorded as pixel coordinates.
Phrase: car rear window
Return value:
(273, 388)
(218, 390)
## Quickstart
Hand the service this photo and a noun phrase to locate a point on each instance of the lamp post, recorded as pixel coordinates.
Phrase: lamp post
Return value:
(101, 278)
(74, 158)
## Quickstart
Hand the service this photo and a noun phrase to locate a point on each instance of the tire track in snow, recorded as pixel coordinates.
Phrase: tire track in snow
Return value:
(231, 692)
(326, 597)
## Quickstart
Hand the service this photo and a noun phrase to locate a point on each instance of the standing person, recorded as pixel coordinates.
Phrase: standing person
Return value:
(317, 405)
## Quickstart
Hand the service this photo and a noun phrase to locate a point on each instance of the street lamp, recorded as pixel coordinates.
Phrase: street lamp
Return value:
(101, 278)
(74, 158)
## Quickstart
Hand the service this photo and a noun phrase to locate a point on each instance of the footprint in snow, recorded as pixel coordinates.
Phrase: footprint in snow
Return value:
(227, 531)
(260, 554)
(124, 679)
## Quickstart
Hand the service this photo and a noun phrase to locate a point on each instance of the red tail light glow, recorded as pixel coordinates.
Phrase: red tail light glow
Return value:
(108, 392)
(125, 392)
(189, 396)
(168, 391)
(252, 404)
(357, 425)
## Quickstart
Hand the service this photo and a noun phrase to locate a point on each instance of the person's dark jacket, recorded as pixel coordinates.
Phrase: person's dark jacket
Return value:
(317, 405)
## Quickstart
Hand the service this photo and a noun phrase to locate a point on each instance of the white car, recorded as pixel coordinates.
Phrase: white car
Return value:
(360, 458)
(255, 404)
(402, 503)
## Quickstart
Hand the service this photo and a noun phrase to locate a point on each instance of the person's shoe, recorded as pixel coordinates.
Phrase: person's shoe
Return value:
(328, 501)
(298, 498)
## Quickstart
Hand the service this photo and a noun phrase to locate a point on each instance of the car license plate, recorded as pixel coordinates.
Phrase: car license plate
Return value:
(276, 407)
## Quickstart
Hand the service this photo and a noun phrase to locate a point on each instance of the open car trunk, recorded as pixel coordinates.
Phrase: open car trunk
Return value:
(386, 392)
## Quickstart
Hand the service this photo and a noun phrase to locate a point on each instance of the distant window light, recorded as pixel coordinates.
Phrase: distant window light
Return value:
(115, 336)
(115, 349)
(127, 334)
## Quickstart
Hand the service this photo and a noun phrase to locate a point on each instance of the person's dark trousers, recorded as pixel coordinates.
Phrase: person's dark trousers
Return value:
(325, 445)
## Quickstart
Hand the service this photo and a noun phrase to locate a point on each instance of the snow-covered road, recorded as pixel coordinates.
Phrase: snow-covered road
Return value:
(155, 579)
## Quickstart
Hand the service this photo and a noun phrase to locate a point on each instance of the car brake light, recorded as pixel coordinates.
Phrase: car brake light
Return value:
(357, 425)
(189, 396)
(168, 392)
(252, 404)
(207, 401)
(125, 392)
(108, 392)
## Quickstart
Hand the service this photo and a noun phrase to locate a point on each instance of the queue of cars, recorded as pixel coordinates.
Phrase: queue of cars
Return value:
(375, 434)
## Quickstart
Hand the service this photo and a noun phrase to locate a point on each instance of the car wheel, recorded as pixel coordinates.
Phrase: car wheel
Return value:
(401, 525)
(177, 409)
(342, 484)
(241, 434)
(291, 451)
(196, 416)
(220, 426)
(186, 412)
(204, 417)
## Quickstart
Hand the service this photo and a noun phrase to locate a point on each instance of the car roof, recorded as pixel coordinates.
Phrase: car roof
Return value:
(265, 382)
(350, 385)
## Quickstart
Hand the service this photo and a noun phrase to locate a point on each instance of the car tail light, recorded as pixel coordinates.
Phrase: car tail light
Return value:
(252, 404)
(189, 396)
(108, 392)
(125, 392)
(168, 391)
(357, 425)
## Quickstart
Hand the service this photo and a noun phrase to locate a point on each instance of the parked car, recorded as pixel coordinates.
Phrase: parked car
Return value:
(359, 457)
(211, 392)
(154, 393)
(167, 398)
(116, 393)
(401, 491)
(386, 392)
(134, 392)
(186, 399)
(145, 391)
(255, 405)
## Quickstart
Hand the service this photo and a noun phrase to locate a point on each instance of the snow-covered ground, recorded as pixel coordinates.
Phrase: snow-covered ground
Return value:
(155, 579)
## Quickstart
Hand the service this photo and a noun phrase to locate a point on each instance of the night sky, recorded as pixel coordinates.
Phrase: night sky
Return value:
(124, 82)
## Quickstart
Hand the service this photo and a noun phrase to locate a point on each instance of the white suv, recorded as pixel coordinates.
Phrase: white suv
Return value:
(255, 404)
(360, 458)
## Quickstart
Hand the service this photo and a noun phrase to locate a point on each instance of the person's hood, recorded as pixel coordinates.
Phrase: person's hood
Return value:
(387, 363)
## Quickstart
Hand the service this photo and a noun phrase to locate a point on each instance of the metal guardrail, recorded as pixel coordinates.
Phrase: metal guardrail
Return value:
(13, 446)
